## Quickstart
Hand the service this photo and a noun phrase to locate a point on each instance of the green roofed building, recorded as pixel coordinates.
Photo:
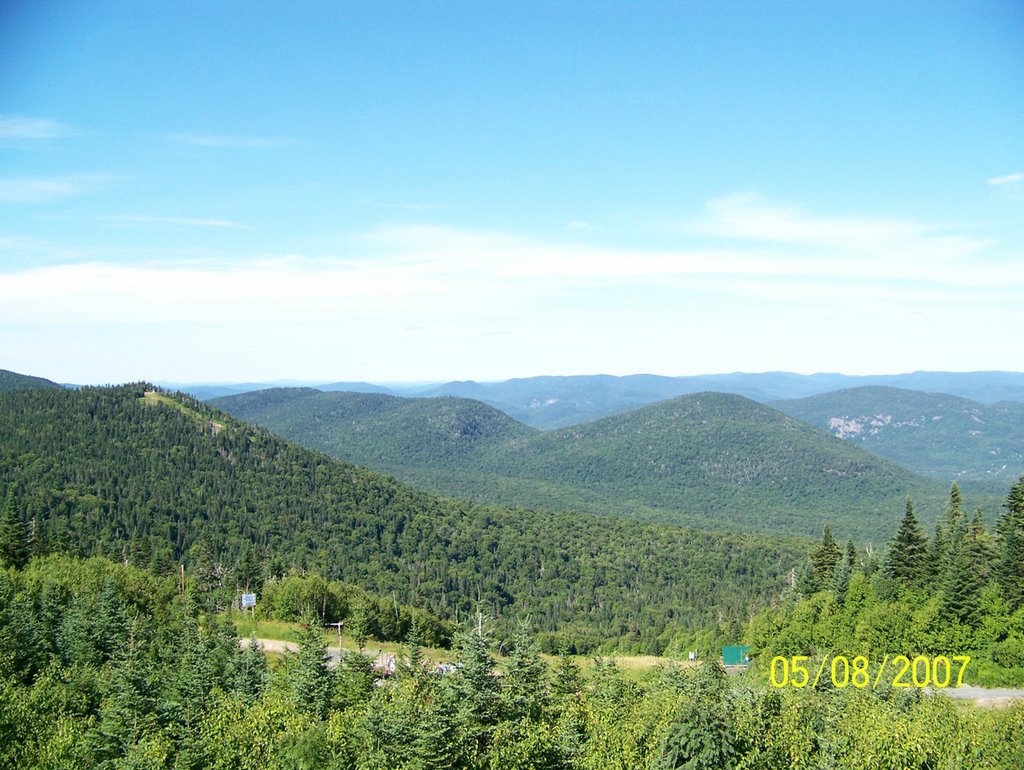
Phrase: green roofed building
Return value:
(736, 656)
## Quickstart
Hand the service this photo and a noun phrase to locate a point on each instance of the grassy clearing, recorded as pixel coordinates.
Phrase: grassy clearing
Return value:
(152, 397)
(632, 666)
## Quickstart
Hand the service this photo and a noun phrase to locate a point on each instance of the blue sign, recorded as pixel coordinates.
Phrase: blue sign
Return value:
(248, 600)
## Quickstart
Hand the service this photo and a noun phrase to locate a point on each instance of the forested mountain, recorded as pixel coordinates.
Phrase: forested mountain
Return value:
(938, 435)
(385, 433)
(710, 460)
(555, 402)
(152, 478)
(14, 381)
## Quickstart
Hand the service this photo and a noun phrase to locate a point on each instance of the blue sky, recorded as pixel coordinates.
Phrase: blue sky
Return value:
(229, 191)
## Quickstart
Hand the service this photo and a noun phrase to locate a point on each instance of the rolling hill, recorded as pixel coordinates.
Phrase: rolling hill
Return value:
(554, 402)
(710, 460)
(157, 478)
(938, 435)
(13, 381)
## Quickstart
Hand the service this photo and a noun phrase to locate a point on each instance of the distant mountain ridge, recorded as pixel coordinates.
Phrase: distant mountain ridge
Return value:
(711, 460)
(942, 436)
(554, 402)
(13, 381)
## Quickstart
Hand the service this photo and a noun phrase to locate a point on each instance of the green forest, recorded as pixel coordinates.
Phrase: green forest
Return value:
(133, 519)
(707, 460)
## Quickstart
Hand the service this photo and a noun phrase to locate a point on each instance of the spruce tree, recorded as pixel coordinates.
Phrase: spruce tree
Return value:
(249, 673)
(310, 679)
(477, 688)
(526, 686)
(1010, 567)
(906, 558)
(14, 547)
(825, 556)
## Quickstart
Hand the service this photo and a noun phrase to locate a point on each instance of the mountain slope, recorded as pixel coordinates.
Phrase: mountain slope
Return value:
(710, 460)
(938, 435)
(160, 477)
(386, 433)
(13, 381)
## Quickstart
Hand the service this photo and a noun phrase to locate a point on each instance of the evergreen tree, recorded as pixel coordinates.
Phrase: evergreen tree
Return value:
(851, 554)
(906, 558)
(526, 687)
(310, 680)
(937, 555)
(411, 664)
(1010, 568)
(825, 556)
(961, 588)
(807, 582)
(128, 714)
(249, 675)
(841, 581)
(477, 688)
(14, 546)
(702, 736)
(1013, 518)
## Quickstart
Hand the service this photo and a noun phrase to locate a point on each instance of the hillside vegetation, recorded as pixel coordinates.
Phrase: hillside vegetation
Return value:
(13, 381)
(937, 435)
(709, 460)
(106, 471)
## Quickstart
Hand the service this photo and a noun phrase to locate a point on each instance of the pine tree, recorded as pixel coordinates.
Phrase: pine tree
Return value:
(840, 582)
(851, 554)
(249, 674)
(1010, 567)
(14, 548)
(825, 556)
(807, 583)
(906, 558)
(411, 664)
(477, 688)
(310, 679)
(961, 588)
(526, 687)
(1014, 505)
(954, 519)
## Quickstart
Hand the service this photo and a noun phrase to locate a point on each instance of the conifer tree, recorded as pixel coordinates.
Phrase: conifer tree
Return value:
(702, 736)
(477, 688)
(954, 519)
(1010, 567)
(411, 664)
(825, 556)
(14, 548)
(525, 688)
(807, 582)
(249, 674)
(906, 558)
(310, 679)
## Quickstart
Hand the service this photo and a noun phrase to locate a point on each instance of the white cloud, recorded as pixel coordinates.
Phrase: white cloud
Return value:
(1008, 179)
(184, 221)
(891, 244)
(773, 281)
(226, 140)
(37, 190)
(23, 127)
